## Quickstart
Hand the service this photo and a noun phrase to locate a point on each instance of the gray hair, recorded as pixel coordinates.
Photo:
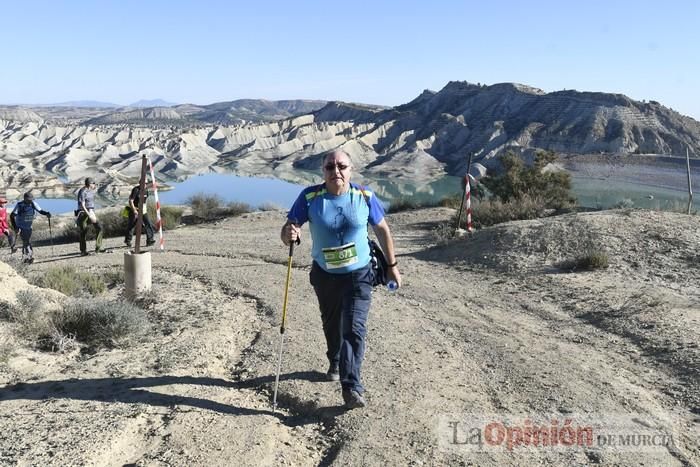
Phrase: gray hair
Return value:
(335, 151)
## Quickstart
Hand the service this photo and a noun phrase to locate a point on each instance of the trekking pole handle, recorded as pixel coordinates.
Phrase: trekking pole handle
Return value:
(291, 246)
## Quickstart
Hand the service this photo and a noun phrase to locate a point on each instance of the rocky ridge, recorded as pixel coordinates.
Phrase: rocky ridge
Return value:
(422, 140)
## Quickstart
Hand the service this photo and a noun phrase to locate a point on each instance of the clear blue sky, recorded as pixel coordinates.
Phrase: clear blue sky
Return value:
(379, 52)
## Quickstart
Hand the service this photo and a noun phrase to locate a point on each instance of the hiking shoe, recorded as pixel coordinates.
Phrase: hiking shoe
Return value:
(150, 242)
(128, 244)
(353, 399)
(333, 373)
(84, 253)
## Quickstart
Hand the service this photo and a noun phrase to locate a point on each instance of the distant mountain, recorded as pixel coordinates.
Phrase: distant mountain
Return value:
(220, 113)
(152, 103)
(18, 113)
(242, 110)
(136, 116)
(92, 104)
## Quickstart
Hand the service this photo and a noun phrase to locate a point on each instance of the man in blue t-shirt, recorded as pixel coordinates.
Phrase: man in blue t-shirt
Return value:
(338, 212)
(22, 218)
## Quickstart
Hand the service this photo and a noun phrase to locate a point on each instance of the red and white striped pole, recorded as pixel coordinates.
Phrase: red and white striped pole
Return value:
(468, 194)
(159, 223)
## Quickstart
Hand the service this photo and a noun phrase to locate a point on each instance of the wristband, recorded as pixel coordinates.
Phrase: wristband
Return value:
(394, 264)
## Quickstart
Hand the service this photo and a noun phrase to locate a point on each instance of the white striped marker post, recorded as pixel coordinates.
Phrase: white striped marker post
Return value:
(159, 223)
(468, 191)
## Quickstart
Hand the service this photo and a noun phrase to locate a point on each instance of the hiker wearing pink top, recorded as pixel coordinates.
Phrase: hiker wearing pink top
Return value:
(4, 227)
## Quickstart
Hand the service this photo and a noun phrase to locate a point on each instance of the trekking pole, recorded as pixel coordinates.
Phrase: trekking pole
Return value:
(284, 319)
(51, 237)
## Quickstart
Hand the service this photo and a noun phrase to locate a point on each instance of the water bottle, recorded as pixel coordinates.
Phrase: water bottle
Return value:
(392, 286)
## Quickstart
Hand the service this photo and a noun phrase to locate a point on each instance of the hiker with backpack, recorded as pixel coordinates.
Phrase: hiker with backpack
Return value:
(4, 226)
(338, 212)
(133, 209)
(86, 216)
(22, 218)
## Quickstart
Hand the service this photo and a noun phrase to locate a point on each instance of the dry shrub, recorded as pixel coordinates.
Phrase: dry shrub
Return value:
(495, 211)
(444, 231)
(112, 222)
(404, 204)
(170, 216)
(101, 323)
(70, 282)
(113, 277)
(591, 260)
(208, 207)
(29, 317)
(235, 208)
(269, 207)
(7, 346)
(454, 201)
(96, 322)
(205, 207)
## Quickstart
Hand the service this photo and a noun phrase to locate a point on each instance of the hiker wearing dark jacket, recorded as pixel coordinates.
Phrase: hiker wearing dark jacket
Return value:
(133, 215)
(22, 218)
(338, 213)
(86, 216)
(4, 227)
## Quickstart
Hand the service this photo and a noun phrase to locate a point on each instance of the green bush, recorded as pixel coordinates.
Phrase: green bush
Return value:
(70, 282)
(100, 322)
(518, 181)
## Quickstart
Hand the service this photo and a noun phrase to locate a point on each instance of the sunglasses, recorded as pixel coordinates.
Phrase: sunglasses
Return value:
(331, 167)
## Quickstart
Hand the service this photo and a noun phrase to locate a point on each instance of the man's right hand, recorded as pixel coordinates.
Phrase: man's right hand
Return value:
(291, 233)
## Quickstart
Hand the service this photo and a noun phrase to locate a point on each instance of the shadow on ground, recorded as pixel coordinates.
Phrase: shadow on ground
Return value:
(132, 391)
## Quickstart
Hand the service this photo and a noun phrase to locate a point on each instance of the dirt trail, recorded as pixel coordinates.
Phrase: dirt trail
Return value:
(485, 326)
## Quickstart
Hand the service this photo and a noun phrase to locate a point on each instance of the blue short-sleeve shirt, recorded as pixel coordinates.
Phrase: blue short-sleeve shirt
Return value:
(337, 221)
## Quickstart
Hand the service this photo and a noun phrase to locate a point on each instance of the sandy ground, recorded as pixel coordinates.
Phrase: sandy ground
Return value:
(485, 328)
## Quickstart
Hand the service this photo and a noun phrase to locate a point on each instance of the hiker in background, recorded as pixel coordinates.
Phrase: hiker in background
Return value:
(133, 209)
(86, 216)
(4, 227)
(338, 213)
(22, 217)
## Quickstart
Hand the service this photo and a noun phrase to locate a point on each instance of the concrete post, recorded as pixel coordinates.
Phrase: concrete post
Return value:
(137, 273)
